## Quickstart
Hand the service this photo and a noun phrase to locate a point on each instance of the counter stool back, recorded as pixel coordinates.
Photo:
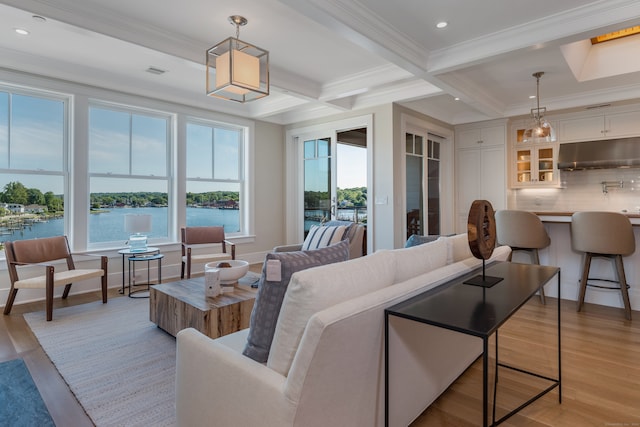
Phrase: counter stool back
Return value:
(608, 235)
(523, 231)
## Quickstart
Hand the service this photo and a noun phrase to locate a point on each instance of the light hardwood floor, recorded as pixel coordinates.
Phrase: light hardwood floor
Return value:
(600, 369)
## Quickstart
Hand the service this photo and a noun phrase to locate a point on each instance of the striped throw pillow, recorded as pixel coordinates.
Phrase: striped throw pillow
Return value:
(321, 237)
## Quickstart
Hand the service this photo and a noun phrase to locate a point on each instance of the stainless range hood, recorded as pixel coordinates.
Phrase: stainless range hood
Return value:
(603, 154)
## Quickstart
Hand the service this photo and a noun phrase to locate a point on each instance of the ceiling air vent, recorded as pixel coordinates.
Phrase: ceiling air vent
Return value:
(155, 70)
(594, 107)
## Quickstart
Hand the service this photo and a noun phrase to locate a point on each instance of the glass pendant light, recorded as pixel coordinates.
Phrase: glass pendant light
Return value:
(540, 130)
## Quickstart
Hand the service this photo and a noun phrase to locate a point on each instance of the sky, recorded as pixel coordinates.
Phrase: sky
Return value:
(352, 166)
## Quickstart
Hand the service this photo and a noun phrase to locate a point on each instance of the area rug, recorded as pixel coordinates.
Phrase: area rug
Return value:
(119, 365)
(20, 401)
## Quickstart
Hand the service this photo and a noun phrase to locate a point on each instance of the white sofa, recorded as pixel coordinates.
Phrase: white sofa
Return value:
(326, 363)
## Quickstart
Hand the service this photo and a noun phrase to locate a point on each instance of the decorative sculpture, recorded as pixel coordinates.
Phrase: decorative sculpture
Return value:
(481, 232)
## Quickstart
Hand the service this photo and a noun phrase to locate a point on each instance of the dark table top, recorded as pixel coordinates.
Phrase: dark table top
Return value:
(477, 310)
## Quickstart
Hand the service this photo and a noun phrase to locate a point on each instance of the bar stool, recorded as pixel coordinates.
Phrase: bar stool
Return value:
(523, 231)
(608, 235)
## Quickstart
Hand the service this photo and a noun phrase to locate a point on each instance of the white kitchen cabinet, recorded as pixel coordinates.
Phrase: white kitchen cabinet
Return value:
(480, 173)
(485, 136)
(600, 126)
(534, 166)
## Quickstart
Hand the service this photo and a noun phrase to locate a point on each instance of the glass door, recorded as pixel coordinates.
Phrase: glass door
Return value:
(319, 176)
(422, 180)
(335, 177)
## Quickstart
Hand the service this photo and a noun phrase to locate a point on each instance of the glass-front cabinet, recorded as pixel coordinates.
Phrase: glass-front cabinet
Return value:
(533, 164)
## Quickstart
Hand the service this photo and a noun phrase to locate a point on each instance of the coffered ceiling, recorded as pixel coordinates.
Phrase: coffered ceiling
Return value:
(332, 56)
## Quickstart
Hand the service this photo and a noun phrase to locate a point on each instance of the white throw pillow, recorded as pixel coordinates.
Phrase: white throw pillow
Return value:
(321, 237)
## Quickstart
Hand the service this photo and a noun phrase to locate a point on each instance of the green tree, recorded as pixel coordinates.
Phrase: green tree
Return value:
(53, 202)
(15, 192)
(35, 196)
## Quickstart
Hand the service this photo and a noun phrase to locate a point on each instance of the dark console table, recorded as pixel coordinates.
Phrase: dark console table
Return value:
(479, 311)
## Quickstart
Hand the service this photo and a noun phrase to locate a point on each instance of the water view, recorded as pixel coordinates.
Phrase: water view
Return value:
(108, 225)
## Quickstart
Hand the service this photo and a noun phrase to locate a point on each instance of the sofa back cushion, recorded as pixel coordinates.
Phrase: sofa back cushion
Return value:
(311, 291)
(276, 274)
(416, 260)
(458, 248)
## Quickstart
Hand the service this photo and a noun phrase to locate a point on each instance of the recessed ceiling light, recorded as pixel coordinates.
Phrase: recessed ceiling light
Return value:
(442, 24)
(21, 31)
(456, 99)
(39, 18)
(532, 97)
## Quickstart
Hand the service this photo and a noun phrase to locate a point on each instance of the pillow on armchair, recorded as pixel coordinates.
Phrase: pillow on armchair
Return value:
(276, 273)
(323, 236)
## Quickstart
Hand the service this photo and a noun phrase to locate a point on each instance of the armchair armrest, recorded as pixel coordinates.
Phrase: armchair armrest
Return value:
(233, 248)
(201, 362)
(288, 248)
(104, 259)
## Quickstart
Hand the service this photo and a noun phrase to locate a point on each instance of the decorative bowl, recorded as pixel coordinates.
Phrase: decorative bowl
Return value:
(230, 275)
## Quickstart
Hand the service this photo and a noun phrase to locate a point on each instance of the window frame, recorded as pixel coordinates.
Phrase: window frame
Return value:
(64, 172)
(245, 146)
(169, 176)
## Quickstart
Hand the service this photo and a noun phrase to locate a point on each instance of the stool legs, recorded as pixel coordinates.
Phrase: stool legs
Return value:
(583, 280)
(536, 260)
(623, 287)
(622, 280)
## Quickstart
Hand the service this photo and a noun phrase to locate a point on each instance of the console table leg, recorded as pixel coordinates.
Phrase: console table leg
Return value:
(485, 392)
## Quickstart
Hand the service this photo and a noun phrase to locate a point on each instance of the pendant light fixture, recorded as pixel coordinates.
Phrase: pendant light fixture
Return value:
(236, 70)
(540, 129)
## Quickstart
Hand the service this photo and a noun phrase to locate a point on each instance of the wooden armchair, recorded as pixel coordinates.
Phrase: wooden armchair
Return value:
(43, 252)
(194, 237)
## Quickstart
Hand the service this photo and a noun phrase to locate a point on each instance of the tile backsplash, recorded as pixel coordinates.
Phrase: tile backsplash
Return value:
(583, 190)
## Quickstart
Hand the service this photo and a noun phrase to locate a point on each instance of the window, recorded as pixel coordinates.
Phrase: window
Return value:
(215, 175)
(129, 171)
(33, 165)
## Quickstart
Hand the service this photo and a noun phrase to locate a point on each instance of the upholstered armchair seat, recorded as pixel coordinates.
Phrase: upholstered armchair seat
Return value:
(60, 278)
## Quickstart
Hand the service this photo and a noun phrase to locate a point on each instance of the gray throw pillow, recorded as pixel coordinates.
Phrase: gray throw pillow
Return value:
(270, 295)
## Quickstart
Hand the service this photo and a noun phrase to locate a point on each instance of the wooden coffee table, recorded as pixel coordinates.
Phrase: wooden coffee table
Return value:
(182, 304)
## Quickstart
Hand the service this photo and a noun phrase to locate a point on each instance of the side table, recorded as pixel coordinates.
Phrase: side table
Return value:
(149, 254)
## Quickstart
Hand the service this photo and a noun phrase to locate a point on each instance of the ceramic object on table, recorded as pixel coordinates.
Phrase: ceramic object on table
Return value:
(229, 275)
